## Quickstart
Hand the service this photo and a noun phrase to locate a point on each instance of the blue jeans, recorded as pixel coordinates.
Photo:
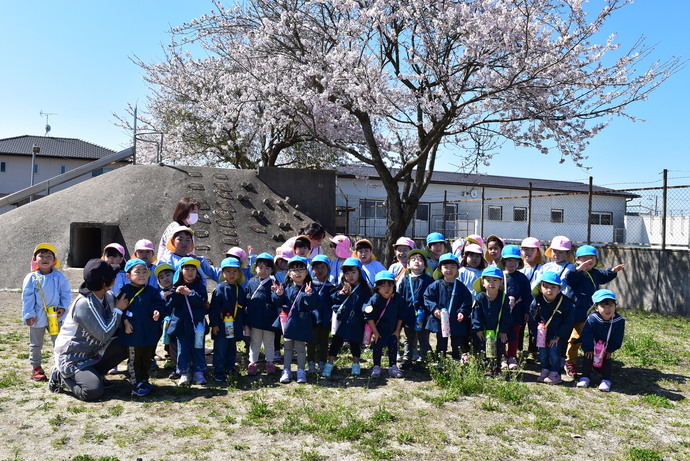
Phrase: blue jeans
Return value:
(186, 353)
(550, 357)
(224, 353)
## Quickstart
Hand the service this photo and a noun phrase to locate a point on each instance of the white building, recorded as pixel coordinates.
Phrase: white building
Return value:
(458, 204)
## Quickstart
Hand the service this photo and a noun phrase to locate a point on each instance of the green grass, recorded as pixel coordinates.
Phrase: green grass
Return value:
(656, 401)
(9, 379)
(644, 454)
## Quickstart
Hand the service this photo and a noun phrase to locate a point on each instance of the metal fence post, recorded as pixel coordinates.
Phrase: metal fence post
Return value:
(482, 214)
(529, 211)
(445, 200)
(589, 213)
(664, 211)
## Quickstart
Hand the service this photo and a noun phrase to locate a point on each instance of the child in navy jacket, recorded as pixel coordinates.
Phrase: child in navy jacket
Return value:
(187, 305)
(584, 281)
(383, 315)
(261, 314)
(551, 320)
(141, 328)
(297, 317)
(606, 327)
(519, 294)
(491, 316)
(449, 293)
(320, 266)
(226, 318)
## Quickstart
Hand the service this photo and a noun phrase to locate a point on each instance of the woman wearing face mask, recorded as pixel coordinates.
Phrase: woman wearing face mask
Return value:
(186, 214)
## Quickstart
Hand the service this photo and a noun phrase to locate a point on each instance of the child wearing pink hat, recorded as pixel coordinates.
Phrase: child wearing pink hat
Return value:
(560, 253)
(114, 253)
(340, 245)
(530, 249)
(401, 247)
(144, 250)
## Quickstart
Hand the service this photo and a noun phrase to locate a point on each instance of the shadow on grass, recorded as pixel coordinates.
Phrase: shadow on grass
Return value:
(642, 381)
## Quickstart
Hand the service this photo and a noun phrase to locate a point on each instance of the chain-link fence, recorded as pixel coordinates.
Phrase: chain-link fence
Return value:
(656, 216)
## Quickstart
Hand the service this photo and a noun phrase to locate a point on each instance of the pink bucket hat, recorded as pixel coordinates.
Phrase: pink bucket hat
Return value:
(457, 246)
(530, 242)
(283, 252)
(143, 244)
(238, 253)
(119, 248)
(404, 241)
(342, 246)
(559, 242)
(472, 248)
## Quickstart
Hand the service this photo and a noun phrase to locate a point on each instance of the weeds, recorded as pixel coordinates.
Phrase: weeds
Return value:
(656, 401)
(644, 454)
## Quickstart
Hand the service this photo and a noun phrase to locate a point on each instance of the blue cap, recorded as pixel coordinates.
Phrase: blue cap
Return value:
(448, 258)
(551, 277)
(351, 262)
(321, 259)
(511, 252)
(435, 237)
(134, 262)
(601, 295)
(586, 250)
(298, 259)
(186, 261)
(384, 275)
(229, 262)
(492, 271)
(265, 256)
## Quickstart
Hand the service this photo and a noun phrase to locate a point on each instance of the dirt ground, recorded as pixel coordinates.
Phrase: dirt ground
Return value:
(346, 418)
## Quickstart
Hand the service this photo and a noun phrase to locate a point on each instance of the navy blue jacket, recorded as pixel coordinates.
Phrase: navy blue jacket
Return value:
(413, 296)
(438, 296)
(386, 321)
(597, 329)
(147, 331)
(518, 286)
(227, 299)
(562, 323)
(584, 284)
(180, 323)
(348, 309)
(323, 303)
(485, 314)
(300, 308)
(260, 310)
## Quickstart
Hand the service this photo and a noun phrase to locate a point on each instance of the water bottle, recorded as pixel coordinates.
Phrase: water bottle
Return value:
(368, 334)
(53, 325)
(229, 322)
(419, 320)
(335, 323)
(541, 334)
(199, 335)
(490, 336)
(599, 353)
(283, 320)
(445, 323)
(166, 325)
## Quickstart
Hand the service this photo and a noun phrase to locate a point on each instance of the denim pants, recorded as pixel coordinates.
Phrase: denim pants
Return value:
(550, 357)
(188, 355)
(224, 354)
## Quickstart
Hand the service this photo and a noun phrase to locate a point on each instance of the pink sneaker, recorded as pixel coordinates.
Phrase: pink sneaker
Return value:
(270, 368)
(553, 378)
(251, 369)
(544, 373)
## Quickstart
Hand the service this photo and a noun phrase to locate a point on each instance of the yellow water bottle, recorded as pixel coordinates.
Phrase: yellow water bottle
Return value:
(53, 325)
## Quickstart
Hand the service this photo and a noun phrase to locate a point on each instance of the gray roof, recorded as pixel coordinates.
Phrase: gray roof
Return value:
(485, 180)
(53, 147)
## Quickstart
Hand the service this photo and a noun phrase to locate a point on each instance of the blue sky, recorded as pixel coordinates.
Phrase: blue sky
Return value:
(72, 58)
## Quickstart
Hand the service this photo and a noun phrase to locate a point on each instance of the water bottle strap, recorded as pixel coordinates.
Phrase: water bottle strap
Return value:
(554, 311)
(40, 290)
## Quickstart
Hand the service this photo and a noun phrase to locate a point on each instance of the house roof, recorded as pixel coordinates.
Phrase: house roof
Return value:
(484, 180)
(53, 147)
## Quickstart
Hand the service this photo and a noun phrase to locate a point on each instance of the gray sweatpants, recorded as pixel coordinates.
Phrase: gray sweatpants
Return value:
(36, 336)
(87, 384)
(300, 348)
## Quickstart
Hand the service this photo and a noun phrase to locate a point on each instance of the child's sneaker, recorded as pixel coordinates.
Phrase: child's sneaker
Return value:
(113, 370)
(376, 372)
(285, 377)
(218, 377)
(570, 369)
(55, 382)
(415, 355)
(301, 376)
(512, 363)
(174, 375)
(312, 368)
(605, 385)
(583, 382)
(199, 377)
(149, 386)
(327, 370)
(553, 378)
(356, 369)
(544, 373)
(185, 379)
(270, 368)
(37, 374)
(277, 357)
(394, 372)
(251, 369)
(504, 364)
(140, 390)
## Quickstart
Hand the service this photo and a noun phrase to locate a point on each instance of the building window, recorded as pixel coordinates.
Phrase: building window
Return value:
(372, 209)
(601, 218)
(495, 213)
(557, 216)
(2, 167)
(35, 168)
(519, 214)
(63, 168)
(422, 213)
(451, 213)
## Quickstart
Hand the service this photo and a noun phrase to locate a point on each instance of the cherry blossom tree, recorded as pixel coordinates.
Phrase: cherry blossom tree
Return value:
(394, 83)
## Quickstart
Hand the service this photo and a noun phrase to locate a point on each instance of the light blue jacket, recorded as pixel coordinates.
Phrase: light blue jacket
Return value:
(56, 292)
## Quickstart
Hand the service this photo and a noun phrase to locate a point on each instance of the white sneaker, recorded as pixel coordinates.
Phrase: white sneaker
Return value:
(301, 376)
(504, 364)
(605, 385)
(544, 373)
(583, 382)
(285, 377)
(512, 364)
(185, 380)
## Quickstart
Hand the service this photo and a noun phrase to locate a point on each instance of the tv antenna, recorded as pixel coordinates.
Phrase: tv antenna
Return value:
(47, 114)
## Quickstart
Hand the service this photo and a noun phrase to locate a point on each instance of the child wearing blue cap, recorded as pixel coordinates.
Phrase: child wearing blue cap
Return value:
(226, 318)
(320, 267)
(436, 245)
(141, 327)
(584, 281)
(448, 296)
(551, 319)
(491, 322)
(187, 307)
(383, 316)
(519, 294)
(295, 300)
(348, 317)
(261, 314)
(602, 335)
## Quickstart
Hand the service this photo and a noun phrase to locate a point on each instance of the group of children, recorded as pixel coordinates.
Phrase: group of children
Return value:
(479, 297)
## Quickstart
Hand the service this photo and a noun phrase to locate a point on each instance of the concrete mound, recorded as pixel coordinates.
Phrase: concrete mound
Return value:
(137, 201)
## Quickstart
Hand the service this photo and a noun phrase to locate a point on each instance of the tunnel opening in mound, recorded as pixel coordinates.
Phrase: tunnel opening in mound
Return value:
(87, 240)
